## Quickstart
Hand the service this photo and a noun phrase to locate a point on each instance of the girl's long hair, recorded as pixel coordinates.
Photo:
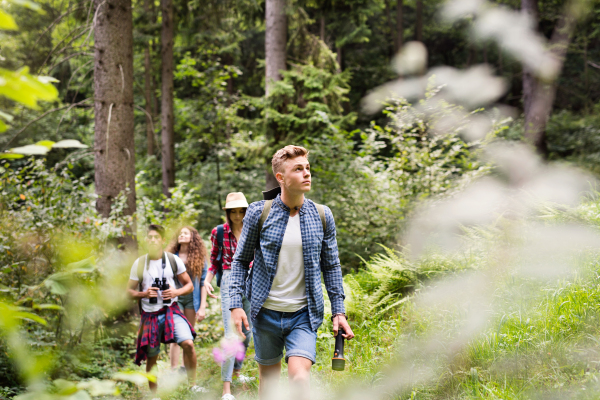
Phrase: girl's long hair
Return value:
(197, 253)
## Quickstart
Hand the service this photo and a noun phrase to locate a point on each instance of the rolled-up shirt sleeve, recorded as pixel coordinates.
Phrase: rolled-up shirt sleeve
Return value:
(244, 254)
(331, 267)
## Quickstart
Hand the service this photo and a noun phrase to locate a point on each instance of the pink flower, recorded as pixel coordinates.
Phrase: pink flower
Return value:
(230, 347)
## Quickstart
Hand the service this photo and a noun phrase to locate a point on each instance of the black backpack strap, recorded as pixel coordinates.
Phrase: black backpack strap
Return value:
(171, 258)
(220, 236)
(142, 264)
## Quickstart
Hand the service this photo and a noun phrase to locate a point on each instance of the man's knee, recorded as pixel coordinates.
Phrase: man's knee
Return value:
(299, 369)
(187, 346)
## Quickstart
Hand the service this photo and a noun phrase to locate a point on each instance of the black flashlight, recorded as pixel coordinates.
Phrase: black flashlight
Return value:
(338, 363)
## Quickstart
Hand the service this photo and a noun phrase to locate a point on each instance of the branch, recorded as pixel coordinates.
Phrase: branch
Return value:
(56, 21)
(149, 117)
(51, 53)
(35, 120)
(593, 64)
(69, 57)
(69, 109)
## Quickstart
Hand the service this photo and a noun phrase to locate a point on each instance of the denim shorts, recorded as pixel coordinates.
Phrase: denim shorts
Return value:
(273, 331)
(186, 301)
(182, 332)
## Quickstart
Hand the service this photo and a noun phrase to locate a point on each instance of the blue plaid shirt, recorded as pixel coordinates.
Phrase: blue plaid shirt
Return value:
(319, 250)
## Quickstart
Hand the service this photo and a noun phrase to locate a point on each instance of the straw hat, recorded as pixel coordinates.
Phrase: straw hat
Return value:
(235, 200)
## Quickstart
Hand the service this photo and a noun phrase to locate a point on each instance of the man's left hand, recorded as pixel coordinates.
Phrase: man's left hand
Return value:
(169, 293)
(339, 321)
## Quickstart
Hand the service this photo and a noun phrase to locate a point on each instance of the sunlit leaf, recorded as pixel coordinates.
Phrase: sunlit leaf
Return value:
(70, 143)
(25, 88)
(83, 266)
(30, 317)
(45, 143)
(59, 283)
(6, 116)
(64, 387)
(7, 22)
(96, 387)
(10, 156)
(138, 378)
(3, 126)
(48, 307)
(29, 4)
(31, 149)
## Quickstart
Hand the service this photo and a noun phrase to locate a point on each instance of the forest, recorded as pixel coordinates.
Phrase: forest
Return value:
(456, 143)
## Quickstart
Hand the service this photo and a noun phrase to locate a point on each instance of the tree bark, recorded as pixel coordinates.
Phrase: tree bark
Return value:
(322, 30)
(150, 110)
(339, 59)
(388, 17)
(275, 52)
(399, 25)
(167, 119)
(540, 98)
(530, 84)
(275, 41)
(113, 106)
(419, 22)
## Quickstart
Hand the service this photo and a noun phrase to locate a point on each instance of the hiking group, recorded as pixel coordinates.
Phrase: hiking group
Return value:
(269, 259)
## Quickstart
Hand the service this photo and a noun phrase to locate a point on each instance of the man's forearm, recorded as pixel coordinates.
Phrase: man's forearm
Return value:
(237, 284)
(135, 295)
(187, 289)
(335, 289)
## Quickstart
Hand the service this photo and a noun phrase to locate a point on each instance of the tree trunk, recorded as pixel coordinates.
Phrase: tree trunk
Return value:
(339, 58)
(541, 98)
(275, 52)
(150, 111)
(419, 23)
(275, 41)
(322, 30)
(388, 17)
(167, 121)
(113, 107)
(529, 80)
(399, 25)
(148, 98)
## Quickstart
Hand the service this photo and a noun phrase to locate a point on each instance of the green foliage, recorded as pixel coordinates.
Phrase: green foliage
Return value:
(372, 190)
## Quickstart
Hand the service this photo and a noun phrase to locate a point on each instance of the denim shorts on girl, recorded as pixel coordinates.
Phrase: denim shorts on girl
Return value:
(275, 330)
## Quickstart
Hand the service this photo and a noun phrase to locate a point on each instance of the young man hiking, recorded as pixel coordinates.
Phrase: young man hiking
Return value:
(292, 243)
(162, 320)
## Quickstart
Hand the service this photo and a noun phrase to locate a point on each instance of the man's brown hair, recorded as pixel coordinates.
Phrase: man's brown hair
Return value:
(285, 154)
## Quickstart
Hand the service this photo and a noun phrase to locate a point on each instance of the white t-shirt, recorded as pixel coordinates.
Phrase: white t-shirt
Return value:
(155, 270)
(288, 292)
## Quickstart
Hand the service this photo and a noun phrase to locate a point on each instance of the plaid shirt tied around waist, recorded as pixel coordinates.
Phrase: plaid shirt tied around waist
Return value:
(148, 335)
(319, 249)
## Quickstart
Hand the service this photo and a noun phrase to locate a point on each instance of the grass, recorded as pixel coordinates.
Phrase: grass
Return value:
(542, 339)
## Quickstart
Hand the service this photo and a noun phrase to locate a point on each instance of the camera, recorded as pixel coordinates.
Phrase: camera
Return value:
(156, 284)
(165, 286)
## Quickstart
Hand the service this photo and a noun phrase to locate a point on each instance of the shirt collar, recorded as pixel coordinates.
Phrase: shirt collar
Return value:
(281, 204)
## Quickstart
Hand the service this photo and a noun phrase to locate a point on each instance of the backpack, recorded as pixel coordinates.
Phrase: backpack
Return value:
(267, 210)
(219, 260)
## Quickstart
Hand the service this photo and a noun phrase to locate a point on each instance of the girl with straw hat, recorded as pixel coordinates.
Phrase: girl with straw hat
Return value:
(224, 239)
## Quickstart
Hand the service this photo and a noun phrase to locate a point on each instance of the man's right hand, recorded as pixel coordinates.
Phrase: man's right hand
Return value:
(151, 292)
(238, 316)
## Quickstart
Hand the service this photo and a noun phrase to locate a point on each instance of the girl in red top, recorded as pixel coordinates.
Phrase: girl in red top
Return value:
(235, 209)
